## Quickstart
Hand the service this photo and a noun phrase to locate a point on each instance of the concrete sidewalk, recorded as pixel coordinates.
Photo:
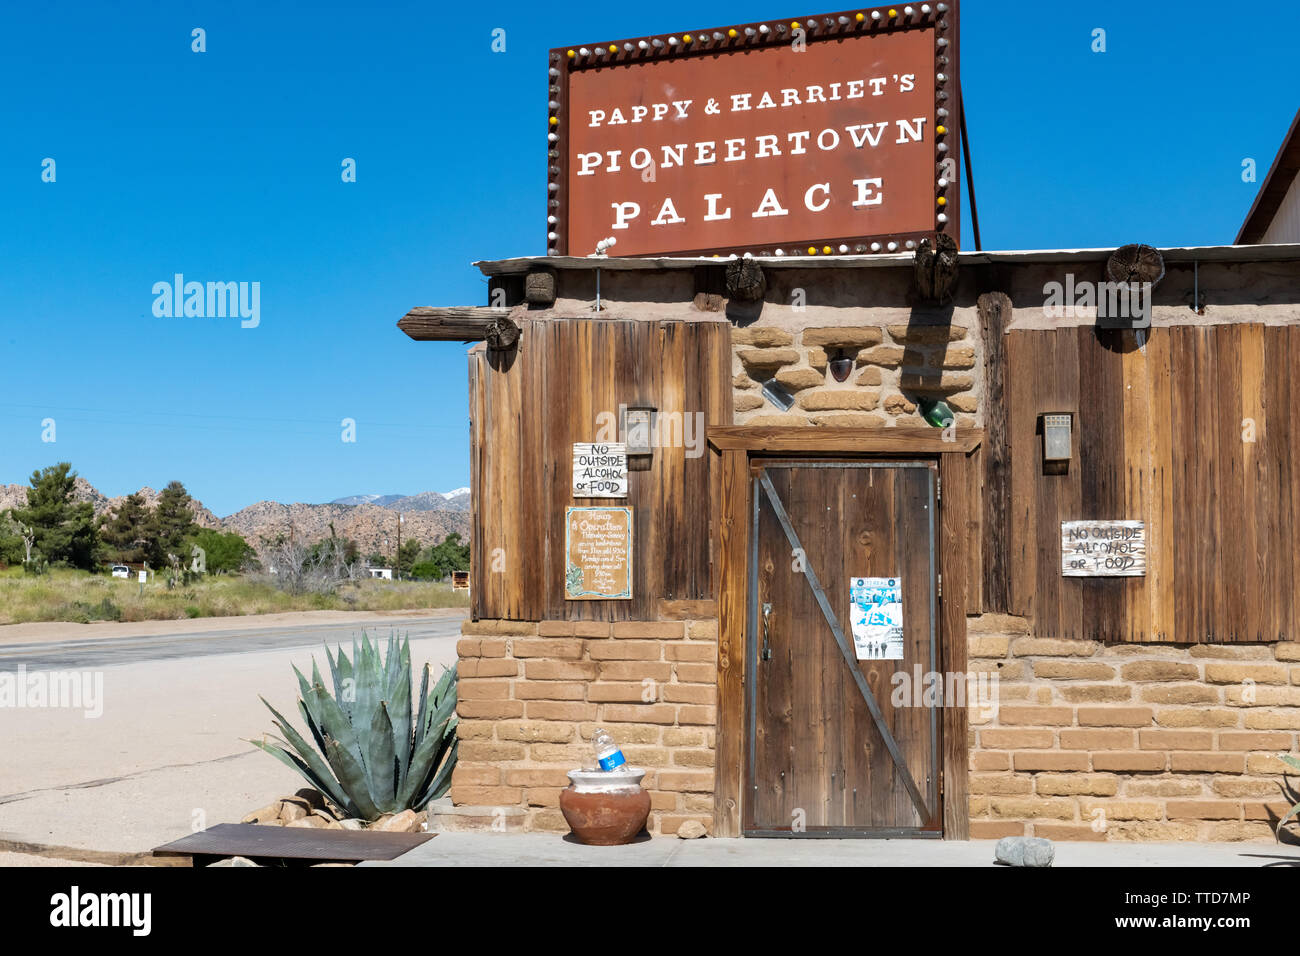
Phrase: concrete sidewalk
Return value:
(552, 849)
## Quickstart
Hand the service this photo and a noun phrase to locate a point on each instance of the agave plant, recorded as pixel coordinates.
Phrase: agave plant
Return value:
(1294, 764)
(372, 756)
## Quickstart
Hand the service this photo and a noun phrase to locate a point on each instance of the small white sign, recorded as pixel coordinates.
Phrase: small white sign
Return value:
(599, 470)
(142, 577)
(876, 618)
(1105, 549)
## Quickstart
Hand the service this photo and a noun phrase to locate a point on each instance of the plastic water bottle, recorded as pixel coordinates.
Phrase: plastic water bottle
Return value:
(608, 754)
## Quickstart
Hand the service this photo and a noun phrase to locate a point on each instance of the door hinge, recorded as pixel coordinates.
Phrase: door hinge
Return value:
(940, 585)
(938, 487)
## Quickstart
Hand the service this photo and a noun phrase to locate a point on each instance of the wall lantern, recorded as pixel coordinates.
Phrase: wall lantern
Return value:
(637, 428)
(778, 395)
(1056, 436)
(841, 365)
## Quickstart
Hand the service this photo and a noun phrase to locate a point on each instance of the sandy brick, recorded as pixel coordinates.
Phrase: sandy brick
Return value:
(1097, 739)
(1000, 738)
(1030, 760)
(561, 670)
(1129, 761)
(1273, 719)
(473, 688)
(1001, 783)
(699, 653)
(1175, 740)
(559, 710)
(1185, 762)
(663, 800)
(554, 628)
(1179, 694)
(763, 337)
(695, 781)
(481, 751)
(995, 829)
(1287, 650)
(1073, 670)
(1122, 809)
(650, 630)
(888, 356)
(1031, 808)
(702, 630)
(535, 731)
(468, 647)
(997, 624)
(1261, 696)
(1115, 716)
(488, 667)
(1160, 670)
(693, 758)
(683, 737)
(592, 629)
(1052, 647)
(1197, 717)
(498, 628)
(1229, 673)
(690, 693)
(767, 357)
(1036, 716)
(475, 775)
(1231, 652)
(560, 648)
(842, 336)
(697, 673)
(1228, 832)
(493, 647)
(660, 671)
(1265, 763)
(486, 796)
(1164, 788)
(640, 713)
(1068, 832)
(489, 709)
(542, 796)
(538, 777)
(1244, 787)
(624, 733)
(1147, 831)
(624, 650)
(1095, 693)
(992, 646)
(548, 690)
(1265, 810)
(1203, 810)
(1259, 740)
(697, 714)
(925, 334)
(620, 691)
(990, 760)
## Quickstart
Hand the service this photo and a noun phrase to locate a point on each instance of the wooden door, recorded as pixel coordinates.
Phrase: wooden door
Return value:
(834, 746)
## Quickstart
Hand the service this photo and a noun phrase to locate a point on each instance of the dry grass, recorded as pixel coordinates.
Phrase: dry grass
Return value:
(79, 597)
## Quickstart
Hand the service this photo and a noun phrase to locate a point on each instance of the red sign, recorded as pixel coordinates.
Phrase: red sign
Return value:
(835, 134)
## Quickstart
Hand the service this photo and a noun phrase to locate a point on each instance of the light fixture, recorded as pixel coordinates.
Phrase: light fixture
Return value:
(1056, 436)
(776, 393)
(636, 426)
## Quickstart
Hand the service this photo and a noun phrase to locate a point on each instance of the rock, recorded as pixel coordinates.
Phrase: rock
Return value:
(324, 815)
(312, 822)
(352, 823)
(234, 861)
(292, 812)
(1024, 851)
(315, 799)
(297, 801)
(267, 814)
(691, 830)
(408, 821)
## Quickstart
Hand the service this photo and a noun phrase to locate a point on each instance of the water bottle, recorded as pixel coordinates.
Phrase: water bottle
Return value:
(608, 754)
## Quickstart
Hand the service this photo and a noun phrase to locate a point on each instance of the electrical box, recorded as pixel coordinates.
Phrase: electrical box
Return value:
(1056, 437)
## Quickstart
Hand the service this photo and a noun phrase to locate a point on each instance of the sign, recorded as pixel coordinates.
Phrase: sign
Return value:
(876, 618)
(599, 470)
(1106, 549)
(830, 134)
(597, 554)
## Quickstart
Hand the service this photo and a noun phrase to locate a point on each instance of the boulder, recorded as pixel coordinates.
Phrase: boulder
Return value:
(408, 821)
(291, 812)
(314, 798)
(352, 823)
(1024, 851)
(267, 814)
(691, 830)
(234, 861)
(311, 821)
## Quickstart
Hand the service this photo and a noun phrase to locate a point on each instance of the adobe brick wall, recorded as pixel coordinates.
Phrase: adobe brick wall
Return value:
(895, 363)
(1130, 742)
(530, 695)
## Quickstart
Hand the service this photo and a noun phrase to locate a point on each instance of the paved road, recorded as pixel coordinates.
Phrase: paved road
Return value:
(169, 753)
(106, 652)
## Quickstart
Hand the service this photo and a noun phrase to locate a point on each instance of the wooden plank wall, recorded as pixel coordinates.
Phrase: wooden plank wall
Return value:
(1160, 434)
(527, 409)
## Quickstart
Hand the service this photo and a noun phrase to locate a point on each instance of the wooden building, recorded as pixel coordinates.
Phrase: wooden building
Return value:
(1095, 553)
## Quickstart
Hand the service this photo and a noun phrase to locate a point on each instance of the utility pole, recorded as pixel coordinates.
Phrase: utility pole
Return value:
(398, 563)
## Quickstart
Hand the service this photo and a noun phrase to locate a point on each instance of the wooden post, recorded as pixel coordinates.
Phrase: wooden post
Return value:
(995, 312)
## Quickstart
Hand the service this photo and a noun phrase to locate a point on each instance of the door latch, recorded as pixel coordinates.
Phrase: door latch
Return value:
(767, 646)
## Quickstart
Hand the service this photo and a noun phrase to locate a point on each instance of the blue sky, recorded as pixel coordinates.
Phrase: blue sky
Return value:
(225, 165)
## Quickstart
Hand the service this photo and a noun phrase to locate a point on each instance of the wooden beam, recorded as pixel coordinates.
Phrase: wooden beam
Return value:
(800, 439)
(953, 544)
(467, 323)
(994, 310)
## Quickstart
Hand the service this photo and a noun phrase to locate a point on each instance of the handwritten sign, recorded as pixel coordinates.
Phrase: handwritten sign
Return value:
(597, 554)
(1106, 549)
(599, 470)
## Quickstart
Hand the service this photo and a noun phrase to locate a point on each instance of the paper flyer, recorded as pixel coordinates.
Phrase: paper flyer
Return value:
(876, 615)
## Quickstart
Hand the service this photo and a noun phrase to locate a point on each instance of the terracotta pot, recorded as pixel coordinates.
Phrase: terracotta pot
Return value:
(604, 815)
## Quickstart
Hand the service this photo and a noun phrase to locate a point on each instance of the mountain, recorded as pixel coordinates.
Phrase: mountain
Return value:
(369, 519)
(454, 500)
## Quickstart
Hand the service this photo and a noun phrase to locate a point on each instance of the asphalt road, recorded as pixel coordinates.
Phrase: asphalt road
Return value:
(105, 652)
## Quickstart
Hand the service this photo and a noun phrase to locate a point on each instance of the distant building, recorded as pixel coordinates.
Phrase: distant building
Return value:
(385, 573)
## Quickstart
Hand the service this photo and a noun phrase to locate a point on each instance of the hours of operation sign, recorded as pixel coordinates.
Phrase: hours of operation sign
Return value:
(598, 554)
(1103, 549)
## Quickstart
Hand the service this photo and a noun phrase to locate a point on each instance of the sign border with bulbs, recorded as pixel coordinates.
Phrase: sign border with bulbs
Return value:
(857, 24)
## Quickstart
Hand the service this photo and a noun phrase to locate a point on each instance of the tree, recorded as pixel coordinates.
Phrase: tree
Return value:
(11, 540)
(407, 555)
(443, 558)
(126, 531)
(62, 530)
(224, 550)
(172, 524)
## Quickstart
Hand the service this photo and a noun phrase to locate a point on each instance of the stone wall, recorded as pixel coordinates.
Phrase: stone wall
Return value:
(1130, 741)
(531, 694)
(894, 366)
